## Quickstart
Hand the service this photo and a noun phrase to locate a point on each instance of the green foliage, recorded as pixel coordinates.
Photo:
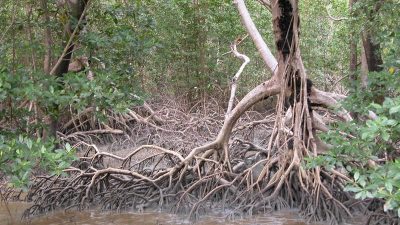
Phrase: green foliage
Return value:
(21, 155)
(379, 84)
(323, 40)
(120, 37)
(116, 40)
(192, 41)
(381, 19)
(356, 143)
(105, 92)
(379, 182)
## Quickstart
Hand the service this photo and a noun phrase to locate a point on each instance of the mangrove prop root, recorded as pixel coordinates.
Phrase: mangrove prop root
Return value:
(150, 176)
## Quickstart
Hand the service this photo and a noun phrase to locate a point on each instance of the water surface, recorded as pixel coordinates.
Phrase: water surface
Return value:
(95, 217)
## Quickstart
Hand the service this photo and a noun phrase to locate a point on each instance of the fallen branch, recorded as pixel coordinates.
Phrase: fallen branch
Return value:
(108, 131)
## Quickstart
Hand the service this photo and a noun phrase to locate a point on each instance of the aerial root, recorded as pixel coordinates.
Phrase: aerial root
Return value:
(164, 178)
(87, 125)
(168, 171)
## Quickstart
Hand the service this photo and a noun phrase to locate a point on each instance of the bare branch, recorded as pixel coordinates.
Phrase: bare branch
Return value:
(328, 100)
(262, 47)
(234, 80)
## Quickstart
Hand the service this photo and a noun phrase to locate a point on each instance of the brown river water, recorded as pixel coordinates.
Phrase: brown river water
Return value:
(11, 215)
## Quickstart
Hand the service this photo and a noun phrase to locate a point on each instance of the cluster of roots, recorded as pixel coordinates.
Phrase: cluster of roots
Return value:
(157, 173)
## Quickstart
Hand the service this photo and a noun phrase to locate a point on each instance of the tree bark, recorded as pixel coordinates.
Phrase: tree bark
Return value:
(372, 53)
(71, 29)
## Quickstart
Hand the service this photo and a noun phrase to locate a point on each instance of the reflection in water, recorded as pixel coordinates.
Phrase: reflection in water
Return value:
(287, 217)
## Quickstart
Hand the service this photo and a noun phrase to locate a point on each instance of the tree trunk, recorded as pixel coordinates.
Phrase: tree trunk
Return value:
(71, 30)
(353, 51)
(372, 53)
(294, 85)
(371, 56)
(48, 39)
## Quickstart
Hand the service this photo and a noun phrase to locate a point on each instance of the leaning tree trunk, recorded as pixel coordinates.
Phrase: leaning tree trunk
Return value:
(71, 30)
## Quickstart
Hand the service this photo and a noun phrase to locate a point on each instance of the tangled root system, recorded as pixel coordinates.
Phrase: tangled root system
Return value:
(151, 176)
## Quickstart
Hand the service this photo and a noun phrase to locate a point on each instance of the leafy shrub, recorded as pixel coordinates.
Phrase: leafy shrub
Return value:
(21, 155)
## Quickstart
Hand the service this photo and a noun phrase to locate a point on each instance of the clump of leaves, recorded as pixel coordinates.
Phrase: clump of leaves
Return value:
(20, 152)
(381, 182)
(20, 156)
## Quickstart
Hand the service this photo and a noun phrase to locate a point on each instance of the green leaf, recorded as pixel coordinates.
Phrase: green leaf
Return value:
(376, 106)
(364, 135)
(29, 143)
(68, 147)
(369, 194)
(394, 110)
(362, 181)
(352, 189)
(391, 122)
(385, 136)
(389, 186)
(42, 149)
(356, 175)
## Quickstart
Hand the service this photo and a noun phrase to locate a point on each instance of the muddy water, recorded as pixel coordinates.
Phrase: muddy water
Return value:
(12, 215)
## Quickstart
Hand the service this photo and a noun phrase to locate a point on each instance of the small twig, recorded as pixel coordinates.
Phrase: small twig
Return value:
(266, 4)
(77, 117)
(238, 42)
